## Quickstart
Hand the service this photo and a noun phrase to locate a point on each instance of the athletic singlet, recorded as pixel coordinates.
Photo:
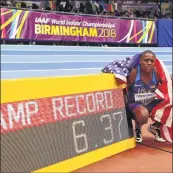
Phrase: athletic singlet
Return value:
(139, 92)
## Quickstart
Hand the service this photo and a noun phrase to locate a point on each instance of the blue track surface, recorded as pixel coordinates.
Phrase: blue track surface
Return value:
(44, 61)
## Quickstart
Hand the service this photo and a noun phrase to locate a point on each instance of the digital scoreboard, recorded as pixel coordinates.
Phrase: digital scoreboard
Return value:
(37, 133)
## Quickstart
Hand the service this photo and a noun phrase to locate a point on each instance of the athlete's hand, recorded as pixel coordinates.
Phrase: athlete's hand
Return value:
(121, 83)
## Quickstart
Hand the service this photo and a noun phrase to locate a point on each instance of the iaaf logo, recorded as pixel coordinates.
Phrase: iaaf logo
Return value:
(19, 115)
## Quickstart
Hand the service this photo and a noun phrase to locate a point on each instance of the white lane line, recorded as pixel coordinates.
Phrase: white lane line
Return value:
(54, 50)
(140, 49)
(48, 77)
(74, 55)
(59, 62)
(74, 69)
(104, 49)
(46, 62)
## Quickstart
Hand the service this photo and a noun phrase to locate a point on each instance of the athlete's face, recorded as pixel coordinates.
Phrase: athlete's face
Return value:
(147, 62)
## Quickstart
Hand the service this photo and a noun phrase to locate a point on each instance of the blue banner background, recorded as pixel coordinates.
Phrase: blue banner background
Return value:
(164, 32)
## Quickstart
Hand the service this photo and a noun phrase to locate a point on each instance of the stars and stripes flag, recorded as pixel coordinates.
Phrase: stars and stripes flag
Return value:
(162, 112)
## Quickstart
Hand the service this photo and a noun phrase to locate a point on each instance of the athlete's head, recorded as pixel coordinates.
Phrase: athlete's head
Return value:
(147, 61)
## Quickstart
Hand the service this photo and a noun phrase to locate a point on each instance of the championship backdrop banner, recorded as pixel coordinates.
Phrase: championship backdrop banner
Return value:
(30, 25)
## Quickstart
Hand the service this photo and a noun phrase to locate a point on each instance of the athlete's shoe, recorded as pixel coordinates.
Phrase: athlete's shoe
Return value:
(156, 132)
(138, 135)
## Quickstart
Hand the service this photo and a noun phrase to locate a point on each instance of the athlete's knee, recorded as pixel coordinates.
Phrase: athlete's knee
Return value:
(144, 118)
(142, 115)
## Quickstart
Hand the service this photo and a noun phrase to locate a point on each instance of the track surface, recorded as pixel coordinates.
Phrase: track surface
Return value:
(45, 61)
(140, 159)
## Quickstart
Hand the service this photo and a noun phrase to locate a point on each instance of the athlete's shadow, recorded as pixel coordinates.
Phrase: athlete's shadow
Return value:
(150, 141)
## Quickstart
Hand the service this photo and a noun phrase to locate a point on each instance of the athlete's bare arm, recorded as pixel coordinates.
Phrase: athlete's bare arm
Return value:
(131, 77)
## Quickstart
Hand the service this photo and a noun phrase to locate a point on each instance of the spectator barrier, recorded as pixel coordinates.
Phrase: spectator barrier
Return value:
(61, 124)
(36, 26)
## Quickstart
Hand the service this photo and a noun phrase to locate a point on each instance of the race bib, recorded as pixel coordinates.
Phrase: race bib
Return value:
(144, 98)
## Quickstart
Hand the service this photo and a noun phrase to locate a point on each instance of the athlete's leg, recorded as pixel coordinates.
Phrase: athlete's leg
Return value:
(140, 114)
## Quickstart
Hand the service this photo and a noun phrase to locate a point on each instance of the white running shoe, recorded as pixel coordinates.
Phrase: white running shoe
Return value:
(138, 135)
(156, 132)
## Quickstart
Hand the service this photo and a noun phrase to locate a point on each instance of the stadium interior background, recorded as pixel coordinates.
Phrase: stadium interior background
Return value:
(38, 68)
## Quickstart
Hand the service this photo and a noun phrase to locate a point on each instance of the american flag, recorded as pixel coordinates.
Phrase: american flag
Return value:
(163, 111)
